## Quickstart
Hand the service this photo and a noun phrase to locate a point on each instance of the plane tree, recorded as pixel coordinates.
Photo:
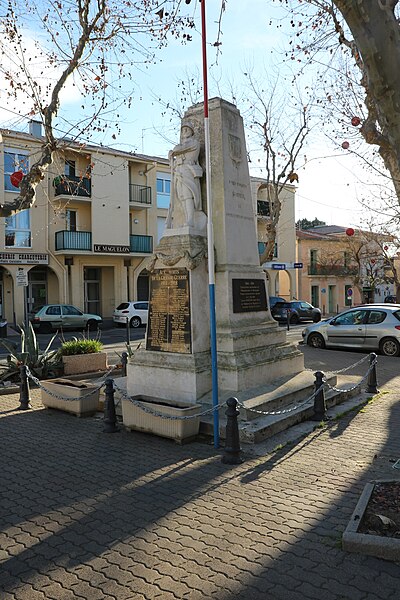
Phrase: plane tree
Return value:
(368, 33)
(92, 46)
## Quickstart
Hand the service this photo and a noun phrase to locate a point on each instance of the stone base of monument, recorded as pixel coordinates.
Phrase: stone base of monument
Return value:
(142, 416)
(286, 399)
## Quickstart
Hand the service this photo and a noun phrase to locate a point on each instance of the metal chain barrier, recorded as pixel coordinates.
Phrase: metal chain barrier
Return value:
(147, 409)
(156, 413)
(336, 389)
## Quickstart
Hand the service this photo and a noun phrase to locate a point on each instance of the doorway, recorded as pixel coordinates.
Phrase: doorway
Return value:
(37, 289)
(92, 281)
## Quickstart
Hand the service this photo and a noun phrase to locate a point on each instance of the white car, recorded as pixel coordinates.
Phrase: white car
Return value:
(135, 312)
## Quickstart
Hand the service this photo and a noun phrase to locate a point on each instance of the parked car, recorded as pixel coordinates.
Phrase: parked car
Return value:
(390, 300)
(64, 316)
(369, 327)
(274, 299)
(136, 312)
(298, 311)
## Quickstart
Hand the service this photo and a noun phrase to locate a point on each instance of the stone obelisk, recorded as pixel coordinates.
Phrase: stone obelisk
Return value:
(252, 350)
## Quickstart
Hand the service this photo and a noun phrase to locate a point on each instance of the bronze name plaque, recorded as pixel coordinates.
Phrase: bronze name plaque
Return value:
(249, 295)
(168, 327)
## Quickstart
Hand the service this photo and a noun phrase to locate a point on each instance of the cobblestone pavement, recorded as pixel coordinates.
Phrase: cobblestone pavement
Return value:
(131, 516)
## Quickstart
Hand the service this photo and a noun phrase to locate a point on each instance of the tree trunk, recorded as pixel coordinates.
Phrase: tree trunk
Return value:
(377, 36)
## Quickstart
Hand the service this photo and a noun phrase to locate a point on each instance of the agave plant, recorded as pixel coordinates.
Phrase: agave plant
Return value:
(41, 363)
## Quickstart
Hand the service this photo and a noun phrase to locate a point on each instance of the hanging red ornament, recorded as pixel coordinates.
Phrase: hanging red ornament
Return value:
(386, 247)
(345, 145)
(355, 121)
(349, 231)
(16, 178)
(373, 261)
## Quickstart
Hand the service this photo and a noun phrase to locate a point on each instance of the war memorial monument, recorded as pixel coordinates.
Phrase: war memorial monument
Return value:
(253, 355)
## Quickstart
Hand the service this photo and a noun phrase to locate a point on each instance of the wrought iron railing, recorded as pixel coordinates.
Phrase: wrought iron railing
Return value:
(141, 243)
(68, 185)
(73, 240)
(335, 270)
(139, 193)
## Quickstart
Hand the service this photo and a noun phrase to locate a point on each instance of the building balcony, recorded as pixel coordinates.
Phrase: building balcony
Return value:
(139, 194)
(73, 240)
(332, 270)
(141, 243)
(67, 185)
(263, 208)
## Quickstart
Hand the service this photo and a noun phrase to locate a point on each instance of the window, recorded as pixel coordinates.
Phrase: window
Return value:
(14, 160)
(70, 169)
(351, 318)
(376, 316)
(313, 257)
(70, 310)
(53, 310)
(18, 230)
(163, 190)
(70, 220)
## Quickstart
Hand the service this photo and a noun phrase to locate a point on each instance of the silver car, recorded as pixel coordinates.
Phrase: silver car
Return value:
(52, 317)
(369, 327)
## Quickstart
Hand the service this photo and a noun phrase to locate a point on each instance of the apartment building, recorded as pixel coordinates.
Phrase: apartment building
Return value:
(282, 270)
(339, 270)
(98, 215)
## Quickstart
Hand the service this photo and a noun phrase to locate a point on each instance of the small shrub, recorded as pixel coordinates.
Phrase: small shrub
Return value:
(83, 346)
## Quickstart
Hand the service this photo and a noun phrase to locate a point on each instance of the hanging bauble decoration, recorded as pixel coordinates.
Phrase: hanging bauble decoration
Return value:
(355, 121)
(386, 247)
(16, 178)
(349, 231)
(373, 261)
(345, 145)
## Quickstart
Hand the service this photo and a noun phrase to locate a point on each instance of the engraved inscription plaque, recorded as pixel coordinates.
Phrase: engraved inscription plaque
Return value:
(168, 327)
(249, 295)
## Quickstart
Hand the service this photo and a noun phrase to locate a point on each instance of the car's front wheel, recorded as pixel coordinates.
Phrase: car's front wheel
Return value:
(92, 324)
(389, 347)
(316, 318)
(294, 319)
(135, 322)
(315, 340)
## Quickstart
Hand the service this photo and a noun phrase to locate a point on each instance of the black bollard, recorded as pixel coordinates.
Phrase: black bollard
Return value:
(124, 362)
(372, 380)
(319, 398)
(110, 417)
(288, 319)
(232, 449)
(24, 393)
(128, 333)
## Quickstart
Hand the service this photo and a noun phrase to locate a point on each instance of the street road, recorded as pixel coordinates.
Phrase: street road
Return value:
(115, 338)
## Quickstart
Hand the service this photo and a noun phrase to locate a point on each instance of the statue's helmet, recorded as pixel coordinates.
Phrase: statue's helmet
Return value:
(187, 123)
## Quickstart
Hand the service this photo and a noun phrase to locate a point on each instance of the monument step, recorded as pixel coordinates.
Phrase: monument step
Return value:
(263, 427)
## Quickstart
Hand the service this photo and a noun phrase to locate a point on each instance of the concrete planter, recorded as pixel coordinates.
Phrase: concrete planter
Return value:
(135, 418)
(363, 543)
(86, 402)
(84, 363)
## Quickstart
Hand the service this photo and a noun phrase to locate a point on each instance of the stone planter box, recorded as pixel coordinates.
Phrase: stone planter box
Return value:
(84, 363)
(363, 543)
(86, 403)
(134, 417)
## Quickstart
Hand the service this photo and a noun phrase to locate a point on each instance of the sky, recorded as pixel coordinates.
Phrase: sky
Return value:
(330, 182)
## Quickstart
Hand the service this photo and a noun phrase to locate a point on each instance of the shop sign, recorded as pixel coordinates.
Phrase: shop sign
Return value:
(111, 249)
(23, 258)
